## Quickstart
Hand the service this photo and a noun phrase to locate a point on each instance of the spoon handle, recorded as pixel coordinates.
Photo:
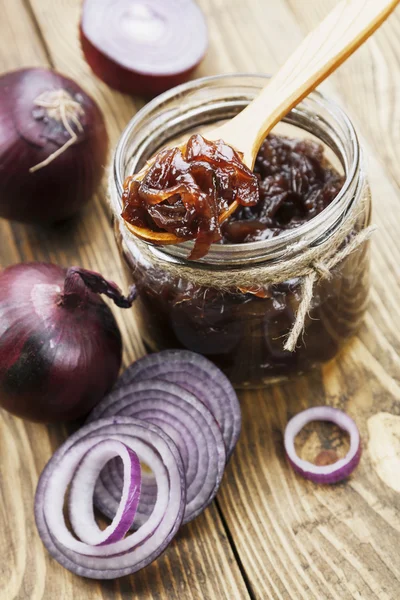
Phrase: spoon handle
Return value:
(349, 24)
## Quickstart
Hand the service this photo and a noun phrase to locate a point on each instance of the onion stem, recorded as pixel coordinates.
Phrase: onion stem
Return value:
(79, 281)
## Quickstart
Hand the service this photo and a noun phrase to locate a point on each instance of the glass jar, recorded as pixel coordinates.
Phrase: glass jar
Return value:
(243, 331)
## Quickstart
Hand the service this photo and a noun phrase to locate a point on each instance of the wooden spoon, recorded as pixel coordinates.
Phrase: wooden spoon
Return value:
(349, 24)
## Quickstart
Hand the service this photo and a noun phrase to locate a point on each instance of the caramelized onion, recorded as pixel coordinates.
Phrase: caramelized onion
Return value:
(184, 191)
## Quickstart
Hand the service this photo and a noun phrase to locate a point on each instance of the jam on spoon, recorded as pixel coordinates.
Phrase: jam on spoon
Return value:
(185, 192)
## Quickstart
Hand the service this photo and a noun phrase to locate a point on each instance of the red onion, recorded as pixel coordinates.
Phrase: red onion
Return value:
(53, 146)
(60, 346)
(168, 429)
(143, 46)
(197, 375)
(331, 473)
(192, 427)
(124, 556)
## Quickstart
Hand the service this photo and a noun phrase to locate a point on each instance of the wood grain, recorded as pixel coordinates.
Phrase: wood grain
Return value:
(270, 534)
(200, 562)
(325, 48)
(303, 541)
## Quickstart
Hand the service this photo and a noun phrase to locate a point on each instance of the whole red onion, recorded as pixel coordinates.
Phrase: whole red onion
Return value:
(53, 146)
(60, 346)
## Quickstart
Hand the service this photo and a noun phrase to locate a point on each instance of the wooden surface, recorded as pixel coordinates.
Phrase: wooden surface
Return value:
(323, 50)
(270, 534)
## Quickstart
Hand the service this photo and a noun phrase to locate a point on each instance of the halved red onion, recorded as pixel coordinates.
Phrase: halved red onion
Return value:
(83, 484)
(143, 46)
(332, 473)
(128, 555)
(197, 375)
(188, 422)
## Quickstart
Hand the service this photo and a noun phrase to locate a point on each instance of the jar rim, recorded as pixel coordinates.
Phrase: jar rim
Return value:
(276, 246)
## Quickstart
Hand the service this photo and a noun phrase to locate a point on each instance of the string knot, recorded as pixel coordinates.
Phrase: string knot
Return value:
(321, 269)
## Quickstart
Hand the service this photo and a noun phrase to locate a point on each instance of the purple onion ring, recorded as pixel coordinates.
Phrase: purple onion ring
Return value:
(328, 473)
(197, 375)
(137, 550)
(80, 504)
(188, 422)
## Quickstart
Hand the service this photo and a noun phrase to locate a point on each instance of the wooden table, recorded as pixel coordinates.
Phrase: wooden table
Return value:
(269, 534)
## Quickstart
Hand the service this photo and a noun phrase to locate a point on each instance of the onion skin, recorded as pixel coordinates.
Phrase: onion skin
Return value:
(127, 81)
(59, 355)
(58, 190)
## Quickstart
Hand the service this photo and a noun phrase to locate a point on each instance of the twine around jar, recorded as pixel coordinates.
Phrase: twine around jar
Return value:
(320, 269)
(310, 265)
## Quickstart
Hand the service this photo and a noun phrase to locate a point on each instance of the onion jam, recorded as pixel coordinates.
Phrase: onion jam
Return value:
(243, 330)
(295, 183)
(184, 191)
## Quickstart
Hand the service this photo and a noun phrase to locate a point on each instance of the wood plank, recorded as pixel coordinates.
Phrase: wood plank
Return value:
(199, 563)
(369, 83)
(14, 56)
(295, 539)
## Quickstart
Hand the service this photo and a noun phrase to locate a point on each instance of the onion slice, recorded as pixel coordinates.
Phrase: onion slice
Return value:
(81, 495)
(143, 46)
(332, 473)
(125, 556)
(196, 374)
(192, 427)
